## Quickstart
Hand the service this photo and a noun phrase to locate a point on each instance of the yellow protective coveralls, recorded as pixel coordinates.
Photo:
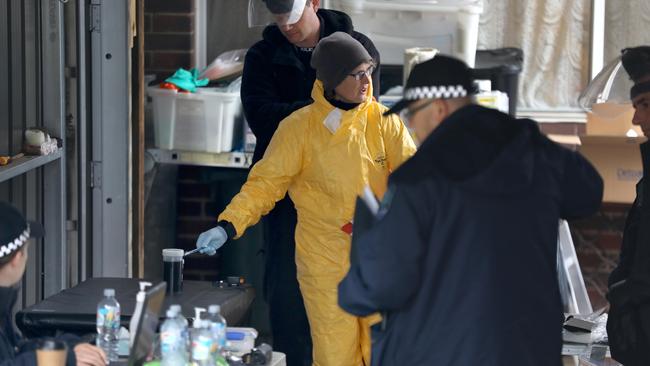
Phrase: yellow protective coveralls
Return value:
(324, 172)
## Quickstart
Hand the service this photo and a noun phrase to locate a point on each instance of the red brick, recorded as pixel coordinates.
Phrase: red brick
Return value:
(186, 208)
(189, 173)
(169, 6)
(193, 190)
(194, 227)
(171, 60)
(186, 242)
(172, 23)
(610, 241)
(148, 23)
(572, 129)
(622, 208)
(589, 261)
(167, 42)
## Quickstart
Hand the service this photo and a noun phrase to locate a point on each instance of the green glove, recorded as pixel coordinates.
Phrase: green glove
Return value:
(187, 80)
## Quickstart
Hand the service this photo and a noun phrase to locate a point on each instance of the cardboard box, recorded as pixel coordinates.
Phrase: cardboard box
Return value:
(618, 160)
(612, 119)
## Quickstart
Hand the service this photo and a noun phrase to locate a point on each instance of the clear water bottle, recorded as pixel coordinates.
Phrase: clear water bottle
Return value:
(217, 328)
(186, 329)
(172, 345)
(108, 324)
(201, 341)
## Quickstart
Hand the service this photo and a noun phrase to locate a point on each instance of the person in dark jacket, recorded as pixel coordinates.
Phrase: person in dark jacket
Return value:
(636, 62)
(462, 260)
(15, 233)
(629, 315)
(278, 80)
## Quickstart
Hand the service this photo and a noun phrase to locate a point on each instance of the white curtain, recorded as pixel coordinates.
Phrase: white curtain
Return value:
(627, 24)
(555, 38)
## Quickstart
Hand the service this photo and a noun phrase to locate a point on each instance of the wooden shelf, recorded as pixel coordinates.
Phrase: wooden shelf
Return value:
(27, 163)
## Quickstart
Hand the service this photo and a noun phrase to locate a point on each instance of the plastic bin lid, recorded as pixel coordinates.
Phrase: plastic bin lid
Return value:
(508, 60)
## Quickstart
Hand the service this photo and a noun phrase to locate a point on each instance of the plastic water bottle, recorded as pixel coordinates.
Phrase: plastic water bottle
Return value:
(185, 325)
(172, 344)
(217, 328)
(108, 324)
(201, 341)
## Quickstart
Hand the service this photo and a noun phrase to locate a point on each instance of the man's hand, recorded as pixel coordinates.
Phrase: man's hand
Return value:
(89, 355)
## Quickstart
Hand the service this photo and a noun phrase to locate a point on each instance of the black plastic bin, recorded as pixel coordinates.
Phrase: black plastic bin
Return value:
(502, 67)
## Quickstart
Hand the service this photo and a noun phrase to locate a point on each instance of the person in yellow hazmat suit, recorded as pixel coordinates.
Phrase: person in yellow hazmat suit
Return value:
(324, 155)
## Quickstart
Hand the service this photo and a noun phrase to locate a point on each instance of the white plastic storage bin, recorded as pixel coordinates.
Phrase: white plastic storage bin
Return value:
(202, 121)
(451, 26)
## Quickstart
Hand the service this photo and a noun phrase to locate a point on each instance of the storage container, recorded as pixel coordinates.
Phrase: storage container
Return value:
(502, 67)
(451, 26)
(240, 340)
(202, 121)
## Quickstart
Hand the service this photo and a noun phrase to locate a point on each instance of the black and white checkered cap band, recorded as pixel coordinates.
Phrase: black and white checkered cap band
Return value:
(435, 92)
(15, 244)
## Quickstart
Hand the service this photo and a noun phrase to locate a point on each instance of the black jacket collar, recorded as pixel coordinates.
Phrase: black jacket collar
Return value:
(8, 296)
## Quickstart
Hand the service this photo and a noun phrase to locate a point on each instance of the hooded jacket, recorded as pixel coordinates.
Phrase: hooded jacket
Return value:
(463, 260)
(15, 351)
(276, 82)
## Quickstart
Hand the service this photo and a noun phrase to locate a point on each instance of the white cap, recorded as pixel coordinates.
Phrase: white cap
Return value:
(214, 309)
(171, 313)
(176, 308)
(198, 322)
(109, 292)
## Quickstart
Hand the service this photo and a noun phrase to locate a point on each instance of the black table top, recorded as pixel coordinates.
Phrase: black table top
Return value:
(74, 310)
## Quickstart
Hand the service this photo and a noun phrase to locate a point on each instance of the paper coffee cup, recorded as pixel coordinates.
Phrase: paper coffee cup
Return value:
(51, 352)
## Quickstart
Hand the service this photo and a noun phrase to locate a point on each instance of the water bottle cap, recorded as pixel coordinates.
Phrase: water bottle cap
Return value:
(176, 308)
(171, 313)
(214, 309)
(109, 292)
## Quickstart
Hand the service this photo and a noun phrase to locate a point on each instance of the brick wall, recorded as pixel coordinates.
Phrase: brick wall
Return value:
(598, 241)
(169, 28)
(196, 212)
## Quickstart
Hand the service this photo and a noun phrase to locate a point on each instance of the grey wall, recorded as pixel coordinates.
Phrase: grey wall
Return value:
(228, 32)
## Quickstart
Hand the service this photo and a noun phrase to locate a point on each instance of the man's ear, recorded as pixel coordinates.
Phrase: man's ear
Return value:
(17, 258)
(441, 108)
(315, 4)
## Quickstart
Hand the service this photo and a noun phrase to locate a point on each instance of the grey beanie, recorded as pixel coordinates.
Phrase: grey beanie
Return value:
(335, 57)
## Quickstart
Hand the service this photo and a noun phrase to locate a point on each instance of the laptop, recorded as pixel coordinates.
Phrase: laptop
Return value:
(146, 325)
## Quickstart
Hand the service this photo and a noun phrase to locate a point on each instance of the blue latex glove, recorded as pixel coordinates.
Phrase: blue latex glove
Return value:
(211, 240)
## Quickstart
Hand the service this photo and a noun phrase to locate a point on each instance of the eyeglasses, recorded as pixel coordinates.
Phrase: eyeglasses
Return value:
(406, 114)
(359, 75)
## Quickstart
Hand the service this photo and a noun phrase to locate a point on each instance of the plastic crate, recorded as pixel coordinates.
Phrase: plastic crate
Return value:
(202, 121)
(451, 26)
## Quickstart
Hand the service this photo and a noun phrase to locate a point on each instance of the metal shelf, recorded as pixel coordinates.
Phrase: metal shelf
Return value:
(26, 164)
(237, 160)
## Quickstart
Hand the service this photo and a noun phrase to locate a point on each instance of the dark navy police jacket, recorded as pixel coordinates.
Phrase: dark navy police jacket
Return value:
(463, 261)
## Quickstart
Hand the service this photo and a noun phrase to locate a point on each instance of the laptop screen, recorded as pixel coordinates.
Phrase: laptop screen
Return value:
(147, 324)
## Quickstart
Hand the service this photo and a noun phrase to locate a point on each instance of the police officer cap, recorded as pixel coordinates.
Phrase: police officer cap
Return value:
(636, 62)
(442, 77)
(15, 230)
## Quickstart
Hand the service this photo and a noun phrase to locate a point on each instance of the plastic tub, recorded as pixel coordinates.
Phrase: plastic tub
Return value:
(202, 121)
(240, 340)
(502, 67)
(451, 26)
